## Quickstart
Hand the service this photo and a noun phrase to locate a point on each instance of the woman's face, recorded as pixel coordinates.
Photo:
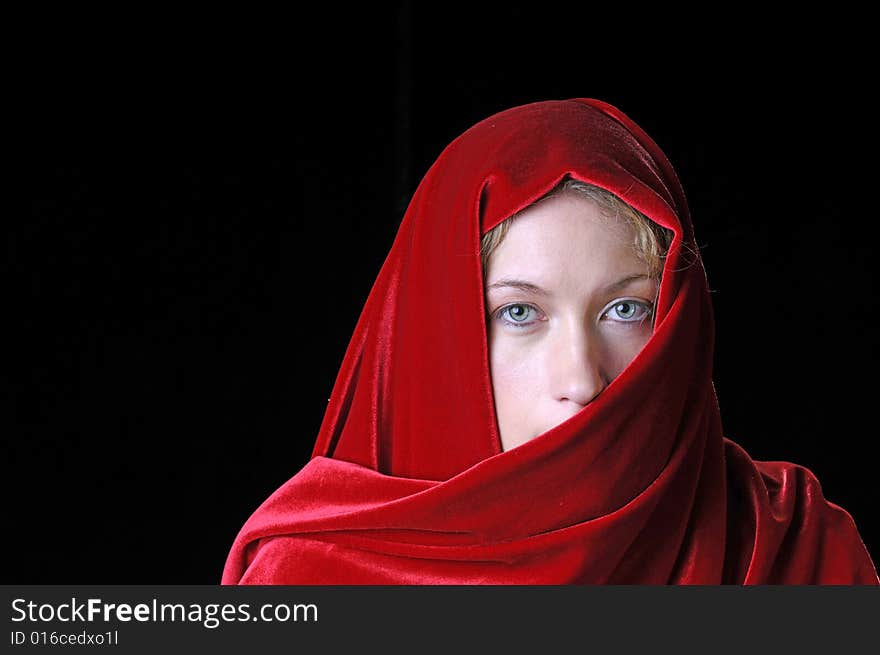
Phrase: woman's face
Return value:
(569, 306)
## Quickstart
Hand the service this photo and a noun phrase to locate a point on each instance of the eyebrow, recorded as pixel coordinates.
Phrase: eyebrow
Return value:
(530, 287)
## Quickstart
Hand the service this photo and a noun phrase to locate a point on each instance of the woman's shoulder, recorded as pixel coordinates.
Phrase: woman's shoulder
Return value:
(288, 560)
(797, 535)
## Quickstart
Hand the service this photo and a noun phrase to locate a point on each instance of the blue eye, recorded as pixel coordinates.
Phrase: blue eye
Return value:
(629, 311)
(624, 312)
(517, 313)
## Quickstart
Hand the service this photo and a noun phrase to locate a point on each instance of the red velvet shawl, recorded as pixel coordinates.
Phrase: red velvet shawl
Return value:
(408, 483)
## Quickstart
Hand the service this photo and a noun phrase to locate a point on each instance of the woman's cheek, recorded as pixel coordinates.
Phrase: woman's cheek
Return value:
(625, 349)
(513, 367)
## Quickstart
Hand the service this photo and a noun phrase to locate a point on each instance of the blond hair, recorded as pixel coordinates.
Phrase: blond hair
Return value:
(651, 241)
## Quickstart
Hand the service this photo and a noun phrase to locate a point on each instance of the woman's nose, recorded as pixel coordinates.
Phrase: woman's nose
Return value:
(578, 374)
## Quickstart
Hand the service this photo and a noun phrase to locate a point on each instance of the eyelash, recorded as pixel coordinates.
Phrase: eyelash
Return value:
(648, 312)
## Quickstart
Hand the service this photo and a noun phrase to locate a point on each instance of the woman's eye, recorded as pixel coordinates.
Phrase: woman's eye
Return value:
(517, 314)
(629, 311)
(521, 315)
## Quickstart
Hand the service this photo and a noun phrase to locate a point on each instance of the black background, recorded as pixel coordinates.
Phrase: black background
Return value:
(208, 204)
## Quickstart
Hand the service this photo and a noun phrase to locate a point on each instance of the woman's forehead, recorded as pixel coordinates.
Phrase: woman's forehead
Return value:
(562, 228)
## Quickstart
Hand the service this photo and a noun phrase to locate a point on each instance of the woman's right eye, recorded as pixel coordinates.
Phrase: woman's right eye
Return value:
(517, 314)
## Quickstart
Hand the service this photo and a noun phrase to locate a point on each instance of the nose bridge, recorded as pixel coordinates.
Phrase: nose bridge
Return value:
(577, 368)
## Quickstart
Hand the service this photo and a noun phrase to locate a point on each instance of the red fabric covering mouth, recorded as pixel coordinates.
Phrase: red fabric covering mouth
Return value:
(408, 483)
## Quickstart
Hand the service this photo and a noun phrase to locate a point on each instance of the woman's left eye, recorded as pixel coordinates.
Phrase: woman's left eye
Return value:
(629, 311)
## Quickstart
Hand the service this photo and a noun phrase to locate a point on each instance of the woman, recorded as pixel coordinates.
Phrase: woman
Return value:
(587, 247)
(533, 403)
